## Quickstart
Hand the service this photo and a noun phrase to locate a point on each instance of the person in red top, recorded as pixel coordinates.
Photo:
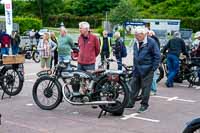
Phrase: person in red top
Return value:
(89, 48)
(5, 41)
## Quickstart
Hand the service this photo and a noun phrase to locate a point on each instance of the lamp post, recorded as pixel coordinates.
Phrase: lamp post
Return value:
(62, 24)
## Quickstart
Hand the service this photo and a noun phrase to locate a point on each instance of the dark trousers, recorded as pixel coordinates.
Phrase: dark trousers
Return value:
(141, 83)
(55, 59)
(119, 63)
(105, 55)
(15, 49)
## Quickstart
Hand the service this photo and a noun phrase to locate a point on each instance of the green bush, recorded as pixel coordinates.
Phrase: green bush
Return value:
(28, 23)
(99, 30)
(192, 23)
(71, 21)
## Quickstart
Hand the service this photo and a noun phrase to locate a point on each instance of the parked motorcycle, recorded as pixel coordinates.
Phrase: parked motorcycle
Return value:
(30, 52)
(193, 126)
(106, 88)
(188, 70)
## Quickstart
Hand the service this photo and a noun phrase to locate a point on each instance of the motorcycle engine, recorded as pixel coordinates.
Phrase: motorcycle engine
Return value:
(75, 82)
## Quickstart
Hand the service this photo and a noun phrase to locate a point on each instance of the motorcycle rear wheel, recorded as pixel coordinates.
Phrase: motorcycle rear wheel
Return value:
(112, 90)
(36, 57)
(12, 82)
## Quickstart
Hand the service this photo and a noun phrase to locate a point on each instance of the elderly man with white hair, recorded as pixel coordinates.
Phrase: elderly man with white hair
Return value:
(146, 61)
(89, 48)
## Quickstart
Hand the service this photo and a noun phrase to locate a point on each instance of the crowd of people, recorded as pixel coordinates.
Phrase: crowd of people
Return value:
(146, 54)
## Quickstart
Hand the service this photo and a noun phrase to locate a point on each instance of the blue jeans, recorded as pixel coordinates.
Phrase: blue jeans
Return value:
(62, 58)
(154, 83)
(173, 68)
(15, 49)
(5, 51)
(119, 63)
(86, 67)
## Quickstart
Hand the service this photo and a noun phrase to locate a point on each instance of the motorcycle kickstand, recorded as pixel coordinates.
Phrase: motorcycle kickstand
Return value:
(101, 112)
(2, 96)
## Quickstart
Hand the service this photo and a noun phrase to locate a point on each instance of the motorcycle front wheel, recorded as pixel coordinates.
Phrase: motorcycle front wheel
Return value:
(47, 93)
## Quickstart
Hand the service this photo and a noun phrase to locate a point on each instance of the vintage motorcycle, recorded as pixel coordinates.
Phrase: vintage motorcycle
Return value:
(30, 52)
(188, 70)
(106, 88)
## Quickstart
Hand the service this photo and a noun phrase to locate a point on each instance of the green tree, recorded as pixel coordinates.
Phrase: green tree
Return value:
(88, 7)
(125, 11)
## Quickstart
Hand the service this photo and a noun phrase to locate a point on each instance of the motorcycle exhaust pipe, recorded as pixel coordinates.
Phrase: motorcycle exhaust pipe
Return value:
(88, 103)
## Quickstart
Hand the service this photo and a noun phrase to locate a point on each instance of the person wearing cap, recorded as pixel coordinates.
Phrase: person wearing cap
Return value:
(146, 59)
(89, 48)
(175, 47)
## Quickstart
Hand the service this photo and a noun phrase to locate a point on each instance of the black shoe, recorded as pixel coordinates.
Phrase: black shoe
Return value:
(94, 106)
(168, 85)
(142, 109)
(130, 106)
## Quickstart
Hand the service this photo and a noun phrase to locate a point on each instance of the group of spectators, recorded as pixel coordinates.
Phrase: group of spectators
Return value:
(9, 41)
(146, 56)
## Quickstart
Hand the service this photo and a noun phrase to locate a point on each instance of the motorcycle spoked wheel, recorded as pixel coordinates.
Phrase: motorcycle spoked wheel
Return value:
(12, 84)
(112, 91)
(47, 93)
(192, 129)
(193, 77)
(36, 57)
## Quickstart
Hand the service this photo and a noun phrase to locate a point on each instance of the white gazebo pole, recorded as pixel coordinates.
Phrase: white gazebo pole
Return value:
(8, 16)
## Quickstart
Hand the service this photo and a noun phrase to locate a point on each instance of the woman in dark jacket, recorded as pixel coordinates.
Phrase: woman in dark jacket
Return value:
(55, 57)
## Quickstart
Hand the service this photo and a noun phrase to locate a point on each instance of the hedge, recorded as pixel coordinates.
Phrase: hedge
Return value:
(72, 21)
(28, 23)
(192, 23)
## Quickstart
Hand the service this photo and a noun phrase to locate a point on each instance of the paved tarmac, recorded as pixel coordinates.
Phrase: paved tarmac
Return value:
(169, 112)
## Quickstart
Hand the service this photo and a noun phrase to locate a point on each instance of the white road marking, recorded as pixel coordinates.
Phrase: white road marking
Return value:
(198, 88)
(171, 99)
(140, 118)
(30, 74)
(29, 104)
(194, 86)
(183, 100)
(174, 99)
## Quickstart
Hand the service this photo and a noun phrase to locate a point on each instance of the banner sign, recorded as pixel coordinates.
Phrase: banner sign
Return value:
(8, 16)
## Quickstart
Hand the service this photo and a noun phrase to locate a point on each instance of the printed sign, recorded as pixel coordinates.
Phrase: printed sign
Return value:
(8, 16)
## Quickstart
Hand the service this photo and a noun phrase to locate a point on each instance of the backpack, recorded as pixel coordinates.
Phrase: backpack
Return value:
(123, 50)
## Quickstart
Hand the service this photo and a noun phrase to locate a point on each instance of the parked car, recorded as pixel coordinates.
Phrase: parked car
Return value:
(42, 31)
(26, 33)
